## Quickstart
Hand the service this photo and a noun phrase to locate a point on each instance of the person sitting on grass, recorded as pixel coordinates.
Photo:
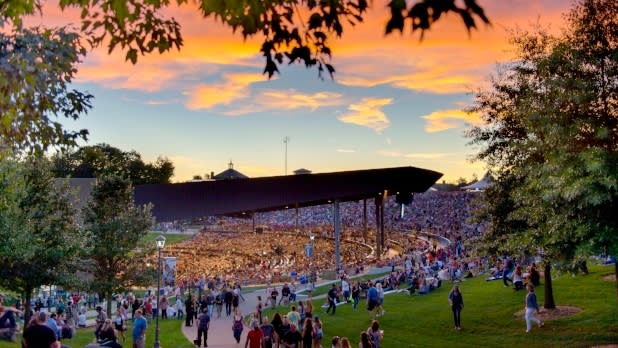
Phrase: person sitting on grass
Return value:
(518, 278)
(37, 334)
(8, 325)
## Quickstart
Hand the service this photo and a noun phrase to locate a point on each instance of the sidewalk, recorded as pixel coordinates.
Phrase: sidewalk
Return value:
(220, 332)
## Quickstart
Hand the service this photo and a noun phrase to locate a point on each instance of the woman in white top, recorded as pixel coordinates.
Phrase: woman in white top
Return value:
(81, 319)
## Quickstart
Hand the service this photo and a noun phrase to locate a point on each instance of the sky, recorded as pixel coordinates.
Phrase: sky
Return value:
(395, 100)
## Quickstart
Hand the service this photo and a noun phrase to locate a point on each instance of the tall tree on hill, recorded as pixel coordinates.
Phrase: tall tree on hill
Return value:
(114, 228)
(551, 135)
(104, 160)
(39, 241)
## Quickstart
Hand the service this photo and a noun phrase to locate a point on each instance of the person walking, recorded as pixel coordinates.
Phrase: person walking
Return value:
(531, 308)
(237, 325)
(203, 324)
(376, 335)
(189, 310)
(456, 300)
(332, 296)
(355, 294)
(255, 336)
(139, 330)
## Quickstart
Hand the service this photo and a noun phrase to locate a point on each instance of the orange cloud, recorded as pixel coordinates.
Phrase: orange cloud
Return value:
(368, 113)
(442, 120)
(234, 87)
(448, 60)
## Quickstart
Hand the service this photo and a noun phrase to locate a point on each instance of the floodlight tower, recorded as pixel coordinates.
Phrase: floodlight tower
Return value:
(286, 141)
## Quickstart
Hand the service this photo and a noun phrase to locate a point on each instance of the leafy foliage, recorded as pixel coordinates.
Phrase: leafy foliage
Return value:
(39, 239)
(296, 31)
(37, 67)
(551, 136)
(114, 226)
(104, 160)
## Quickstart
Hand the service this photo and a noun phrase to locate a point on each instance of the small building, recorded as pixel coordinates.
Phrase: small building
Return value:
(230, 173)
(302, 171)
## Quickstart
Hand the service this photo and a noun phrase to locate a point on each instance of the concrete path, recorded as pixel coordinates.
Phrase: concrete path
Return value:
(220, 332)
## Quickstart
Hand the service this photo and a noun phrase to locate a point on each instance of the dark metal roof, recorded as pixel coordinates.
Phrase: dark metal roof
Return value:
(230, 174)
(244, 196)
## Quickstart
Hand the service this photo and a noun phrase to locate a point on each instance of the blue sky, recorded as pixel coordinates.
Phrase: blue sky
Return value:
(395, 101)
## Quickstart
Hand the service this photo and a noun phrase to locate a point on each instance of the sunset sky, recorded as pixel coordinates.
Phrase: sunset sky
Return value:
(394, 101)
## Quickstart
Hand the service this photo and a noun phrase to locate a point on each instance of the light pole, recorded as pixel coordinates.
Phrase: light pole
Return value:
(160, 240)
(286, 141)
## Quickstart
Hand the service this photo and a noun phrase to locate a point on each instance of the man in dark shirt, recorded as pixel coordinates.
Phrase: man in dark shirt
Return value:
(292, 338)
(332, 295)
(38, 335)
(285, 294)
(227, 298)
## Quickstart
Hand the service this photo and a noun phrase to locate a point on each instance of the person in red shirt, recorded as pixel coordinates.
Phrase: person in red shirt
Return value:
(148, 309)
(254, 337)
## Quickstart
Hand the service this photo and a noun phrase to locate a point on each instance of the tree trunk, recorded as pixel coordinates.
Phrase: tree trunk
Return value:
(108, 307)
(27, 305)
(549, 291)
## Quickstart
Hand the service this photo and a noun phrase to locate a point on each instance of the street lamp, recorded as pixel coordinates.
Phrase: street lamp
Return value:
(160, 240)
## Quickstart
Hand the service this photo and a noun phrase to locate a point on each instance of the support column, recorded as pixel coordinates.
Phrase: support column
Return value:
(365, 220)
(378, 202)
(382, 236)
(337, 224)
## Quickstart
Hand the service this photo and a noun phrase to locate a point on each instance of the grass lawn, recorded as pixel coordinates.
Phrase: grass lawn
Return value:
(321, 290)
(488, 317)
(426, 321)
(169, 238)
(170, 337)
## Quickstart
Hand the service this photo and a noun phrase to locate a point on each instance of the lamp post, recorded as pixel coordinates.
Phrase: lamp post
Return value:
(160, 240)
(286, 141)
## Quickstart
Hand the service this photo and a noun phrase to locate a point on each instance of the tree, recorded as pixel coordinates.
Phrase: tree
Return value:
(37, 67)
(39, 240)
(103, 159)
(114, 227)
(551, 135)
(292, 30)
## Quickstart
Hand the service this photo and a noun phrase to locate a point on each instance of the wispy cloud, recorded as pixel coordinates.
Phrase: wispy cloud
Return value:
(442, 120)
(286, 100)
(368, 113)
(346, 150)
(291, 99)
(161, 102)
(413, 155)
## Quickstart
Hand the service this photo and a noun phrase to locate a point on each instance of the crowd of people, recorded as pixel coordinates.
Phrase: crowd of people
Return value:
(227, 254)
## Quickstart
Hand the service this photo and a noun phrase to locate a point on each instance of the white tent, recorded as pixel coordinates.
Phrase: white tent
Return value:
(480, 185)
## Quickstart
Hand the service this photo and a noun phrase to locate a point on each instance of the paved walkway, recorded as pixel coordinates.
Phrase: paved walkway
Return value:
(220, 332)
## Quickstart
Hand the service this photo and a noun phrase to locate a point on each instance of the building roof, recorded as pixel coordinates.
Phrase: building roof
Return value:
(245, 196)
(230, 173)
(302, 171)
(480, 185)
